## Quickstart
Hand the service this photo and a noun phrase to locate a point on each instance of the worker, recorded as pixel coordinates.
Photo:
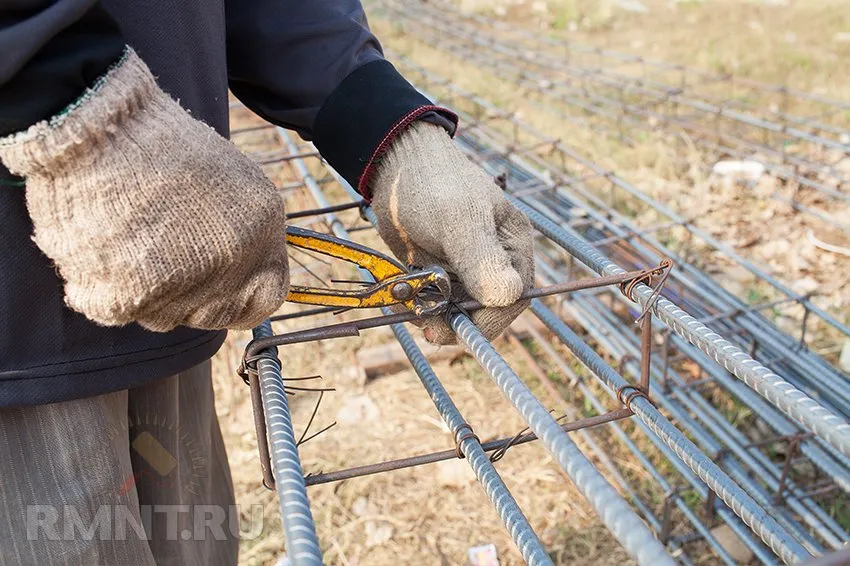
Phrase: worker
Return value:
(134, 234)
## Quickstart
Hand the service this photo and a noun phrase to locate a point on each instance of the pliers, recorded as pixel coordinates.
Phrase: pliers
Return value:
(394, 283)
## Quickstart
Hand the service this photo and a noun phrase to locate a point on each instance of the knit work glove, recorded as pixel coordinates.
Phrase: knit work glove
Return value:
(436, 207)
(149, 215)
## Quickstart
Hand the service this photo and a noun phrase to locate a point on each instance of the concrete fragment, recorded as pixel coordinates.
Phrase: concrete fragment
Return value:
(732, 544)
(454, 473)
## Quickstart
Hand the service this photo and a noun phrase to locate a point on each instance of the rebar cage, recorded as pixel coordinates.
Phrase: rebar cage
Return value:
(605, 271)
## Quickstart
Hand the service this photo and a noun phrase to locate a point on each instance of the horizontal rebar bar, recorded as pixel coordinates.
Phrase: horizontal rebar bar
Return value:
(608, 504)
(432, 457)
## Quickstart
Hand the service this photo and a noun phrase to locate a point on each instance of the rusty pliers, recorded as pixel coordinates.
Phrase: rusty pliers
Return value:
(394, 283)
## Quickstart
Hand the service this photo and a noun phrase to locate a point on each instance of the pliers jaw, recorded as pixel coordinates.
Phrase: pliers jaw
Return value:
(423, 291)
(437, 292)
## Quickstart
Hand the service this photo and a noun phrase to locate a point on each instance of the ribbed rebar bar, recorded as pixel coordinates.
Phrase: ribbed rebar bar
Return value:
(517, 525)
(511, 515)
(625, 525)
(302, 543)
(788, 549)
(786, 397)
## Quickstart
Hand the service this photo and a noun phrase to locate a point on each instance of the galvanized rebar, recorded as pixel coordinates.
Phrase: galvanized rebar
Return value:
(302, 543)
(517, 525)
(675, 397)
(608, 504)
(772, 387)
(731, 493)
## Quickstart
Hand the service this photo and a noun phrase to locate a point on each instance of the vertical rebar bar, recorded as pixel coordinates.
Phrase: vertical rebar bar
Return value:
(518, 527)
(302, 544)
(614, 511)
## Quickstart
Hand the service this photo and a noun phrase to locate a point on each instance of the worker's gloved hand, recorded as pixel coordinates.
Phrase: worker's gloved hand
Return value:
(434, 206)
(149, 215)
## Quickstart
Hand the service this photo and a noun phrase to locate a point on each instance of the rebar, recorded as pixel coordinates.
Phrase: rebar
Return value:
(302, 543)
(519, 180)
(521, 532)
(608, 504)
(553, 199)
(736, 498)
(780, 393)
(638, 98)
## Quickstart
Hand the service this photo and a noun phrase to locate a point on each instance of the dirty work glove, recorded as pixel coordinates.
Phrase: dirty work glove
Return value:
(149, 215)
(434, 206)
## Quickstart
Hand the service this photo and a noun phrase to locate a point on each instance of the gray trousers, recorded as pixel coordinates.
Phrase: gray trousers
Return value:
(133, 478)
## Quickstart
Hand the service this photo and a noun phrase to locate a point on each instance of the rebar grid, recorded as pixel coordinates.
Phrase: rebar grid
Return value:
(671, 392)
(509, 512)
(783, 543)
(619, 71)
(628, 527)
(842, 471)
(570, 169)
(787, 398)
(609, 100)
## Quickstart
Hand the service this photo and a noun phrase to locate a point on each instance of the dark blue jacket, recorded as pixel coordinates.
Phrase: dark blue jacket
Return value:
(309, 65)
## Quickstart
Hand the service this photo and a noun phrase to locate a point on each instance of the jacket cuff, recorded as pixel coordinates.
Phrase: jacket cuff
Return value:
(364, 114)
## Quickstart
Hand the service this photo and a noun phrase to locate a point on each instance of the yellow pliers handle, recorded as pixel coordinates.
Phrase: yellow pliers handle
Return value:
(394, 283)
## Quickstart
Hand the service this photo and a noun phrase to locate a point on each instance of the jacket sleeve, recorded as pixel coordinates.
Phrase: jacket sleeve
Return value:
(50, 52)
(315, 67)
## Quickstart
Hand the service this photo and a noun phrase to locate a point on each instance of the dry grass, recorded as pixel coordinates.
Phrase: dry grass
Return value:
(795, 44)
